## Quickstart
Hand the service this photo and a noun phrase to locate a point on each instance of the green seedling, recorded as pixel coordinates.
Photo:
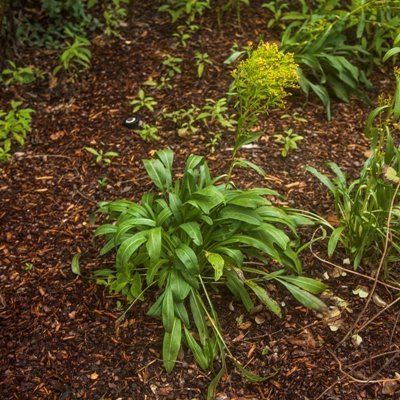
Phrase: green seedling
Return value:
(101, 157)
(143, 101)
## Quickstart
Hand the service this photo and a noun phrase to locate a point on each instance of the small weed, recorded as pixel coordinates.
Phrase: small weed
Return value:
(288, 140)
(172, 65)
(102, 158)
(202, 59)
(143, 101)
(148, 132)
(28, 266)
(14, 127)
(103, 182)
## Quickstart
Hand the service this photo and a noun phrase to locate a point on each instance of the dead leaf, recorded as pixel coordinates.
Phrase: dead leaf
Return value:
(93, 376)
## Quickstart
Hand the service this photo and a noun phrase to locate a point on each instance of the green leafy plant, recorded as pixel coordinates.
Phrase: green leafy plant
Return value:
(189, 9)
(186, 119)
(202, 59)
(113, 15)
(232, 4)
(101, 157)
(148, 132)
(368, 208)
(143, 101)
(195, 234)
(103, 182)
(172, 65)
(288, 140)
(76, 58)
(184, 33)
(192, 240)
(260, 82)
(14, 75)
(57, 18)
(14, 127)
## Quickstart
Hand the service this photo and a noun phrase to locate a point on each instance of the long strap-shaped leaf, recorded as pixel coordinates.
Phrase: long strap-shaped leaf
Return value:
(171, 345)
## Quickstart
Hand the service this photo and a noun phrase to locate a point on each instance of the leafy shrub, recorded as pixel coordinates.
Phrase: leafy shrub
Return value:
(369, 206)
(14, 127)
(336, 44)
(192, 239)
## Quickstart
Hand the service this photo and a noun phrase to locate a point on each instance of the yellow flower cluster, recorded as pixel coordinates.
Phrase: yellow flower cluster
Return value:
(265, 76)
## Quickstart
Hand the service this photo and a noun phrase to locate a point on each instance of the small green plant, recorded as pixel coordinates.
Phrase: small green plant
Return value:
(288, 140)
(102, 158)
(184, 33)
(172, 65)
(186, 119)
(294, 117)
(367, 208)
(163, 83)
(28, 266)
(76, 58)
(14, 127)
(14, 75)
(202, 59)
(278, 9)
(148, 132)
(232, 4)
(184, 8)
(113, 16)
(103, 182)
(142, 101)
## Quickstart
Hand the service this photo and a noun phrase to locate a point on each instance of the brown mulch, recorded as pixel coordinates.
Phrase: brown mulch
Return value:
(58, 337)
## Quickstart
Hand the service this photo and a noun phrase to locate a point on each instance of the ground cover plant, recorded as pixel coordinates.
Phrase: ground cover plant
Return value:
(214, 145)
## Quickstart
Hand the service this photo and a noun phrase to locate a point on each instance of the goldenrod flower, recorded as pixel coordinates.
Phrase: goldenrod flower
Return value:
(263, 78)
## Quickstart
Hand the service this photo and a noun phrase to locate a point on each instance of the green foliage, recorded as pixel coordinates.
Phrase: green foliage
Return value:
(288, 140)
(58, 17)
(172, 65)
(202, 59)
(369, 206)
(192, 239)
(14, 127)
(113, 15)
(14, 75)
(185, 32)
(321, 50)
(232, 4)
(213, 117)
(336, 44)
(76, 58)
(196, 234)
(143, 101)
(148, 132)
(190, 9)
(101, 157)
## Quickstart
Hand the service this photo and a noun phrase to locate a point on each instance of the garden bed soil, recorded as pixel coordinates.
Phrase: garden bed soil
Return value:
(58, 333)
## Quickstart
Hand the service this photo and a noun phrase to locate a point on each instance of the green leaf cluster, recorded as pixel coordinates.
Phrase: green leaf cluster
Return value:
(192, 239)
(14, 127)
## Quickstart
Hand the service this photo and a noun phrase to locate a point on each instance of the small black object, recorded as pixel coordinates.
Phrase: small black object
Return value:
(132, 122)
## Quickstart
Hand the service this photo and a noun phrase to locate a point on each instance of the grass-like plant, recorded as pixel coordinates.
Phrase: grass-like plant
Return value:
(195, 234)
(368, 208)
